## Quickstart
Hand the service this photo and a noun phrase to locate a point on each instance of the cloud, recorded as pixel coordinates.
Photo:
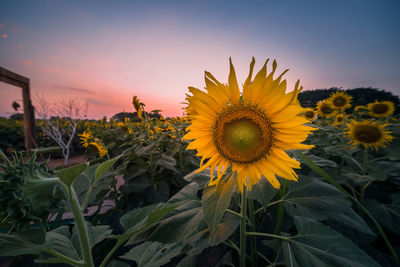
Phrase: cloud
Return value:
(5, 36)
(26, 62)
(2, 26)
(61, 71)
(101, 103)
(82, 90)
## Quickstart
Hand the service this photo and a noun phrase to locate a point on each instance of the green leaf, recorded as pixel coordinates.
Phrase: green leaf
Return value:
(205, 239)
(167, 162)
(319, 200)
(96, 234)
(393, 153)
(188, 261)
(61, 242)
(157, 193)
(288, 255)
(216, 200)
(26, 242)
(322, 162)
(116, 263)
(103, 168)
(318, 245)
(39, 189)
(387, 214)
(140, 219)
(263, 192)
(50, 149)
(202, 178)
(189, 192)
(4, 157)
(184, 222)
(360, 179)
(153, 254)
(68, 175)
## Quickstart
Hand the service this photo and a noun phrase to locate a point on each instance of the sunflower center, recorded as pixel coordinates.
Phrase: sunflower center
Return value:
(309, 114)
(380, 108)
(242, 134)
(367, 134)
(340, 119)
(339, 101)
(326, 109)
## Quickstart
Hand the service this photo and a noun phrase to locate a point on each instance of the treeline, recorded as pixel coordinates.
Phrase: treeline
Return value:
(132, 116)
(361, 96)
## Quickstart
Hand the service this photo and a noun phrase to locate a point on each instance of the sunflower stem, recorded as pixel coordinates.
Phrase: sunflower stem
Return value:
(81, 227)
(362, 192)
(234, 213)
(243, 211)
(281, 207)
(365, 162)
(253, 244)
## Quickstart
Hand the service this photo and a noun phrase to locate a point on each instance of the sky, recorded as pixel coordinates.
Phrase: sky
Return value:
(105, 52)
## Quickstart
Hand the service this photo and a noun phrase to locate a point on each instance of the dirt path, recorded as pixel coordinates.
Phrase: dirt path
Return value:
(71, 161)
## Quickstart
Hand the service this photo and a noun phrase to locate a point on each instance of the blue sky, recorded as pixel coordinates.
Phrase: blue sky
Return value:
(112, 50)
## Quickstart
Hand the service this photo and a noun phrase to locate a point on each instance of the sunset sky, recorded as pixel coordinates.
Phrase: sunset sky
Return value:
(105, 52)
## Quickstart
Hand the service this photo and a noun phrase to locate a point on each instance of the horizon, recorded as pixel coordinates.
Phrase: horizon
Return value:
(105, 53)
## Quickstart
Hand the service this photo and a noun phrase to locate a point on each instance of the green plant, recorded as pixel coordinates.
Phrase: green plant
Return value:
(26, 192)
(62, 246)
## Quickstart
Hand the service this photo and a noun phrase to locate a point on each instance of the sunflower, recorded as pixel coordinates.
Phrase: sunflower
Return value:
(93, 143)
(309, 113)
(99, 147)
(370, 134)
(86, 137)
(339, 119)
(360, 108)
(137, 105)
(248, 131)
(340, 100)
(125, 127)
(324, 109)
(380, 109)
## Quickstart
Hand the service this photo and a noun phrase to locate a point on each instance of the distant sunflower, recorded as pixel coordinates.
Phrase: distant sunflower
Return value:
(125, 127)
(380, 109)
(138, 107)
(324, 109)
(93, 143)
(309, 113)
(370, 134)
(340, 100)
(360, 108)
(250, 131)
(339, 119)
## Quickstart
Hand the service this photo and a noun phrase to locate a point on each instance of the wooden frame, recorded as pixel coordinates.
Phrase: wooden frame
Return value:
(12, 78)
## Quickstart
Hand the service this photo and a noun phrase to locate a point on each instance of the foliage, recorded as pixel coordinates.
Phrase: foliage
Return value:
(361, 96)
(26, 193)
(343, 211)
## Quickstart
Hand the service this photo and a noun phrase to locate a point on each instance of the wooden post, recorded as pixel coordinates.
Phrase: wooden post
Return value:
(29, 115)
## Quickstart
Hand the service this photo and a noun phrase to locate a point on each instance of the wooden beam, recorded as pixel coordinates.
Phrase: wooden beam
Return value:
(12, 78)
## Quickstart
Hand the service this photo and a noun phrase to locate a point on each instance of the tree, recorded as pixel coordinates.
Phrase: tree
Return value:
(61, 120)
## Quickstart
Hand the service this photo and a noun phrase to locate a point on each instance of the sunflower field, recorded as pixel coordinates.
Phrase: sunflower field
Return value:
(248, 177)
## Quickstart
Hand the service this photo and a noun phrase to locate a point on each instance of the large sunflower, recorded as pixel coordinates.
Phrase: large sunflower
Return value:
(370, 134)
(248, 131)
(340, 100)
(324, 109)
(380, 109)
